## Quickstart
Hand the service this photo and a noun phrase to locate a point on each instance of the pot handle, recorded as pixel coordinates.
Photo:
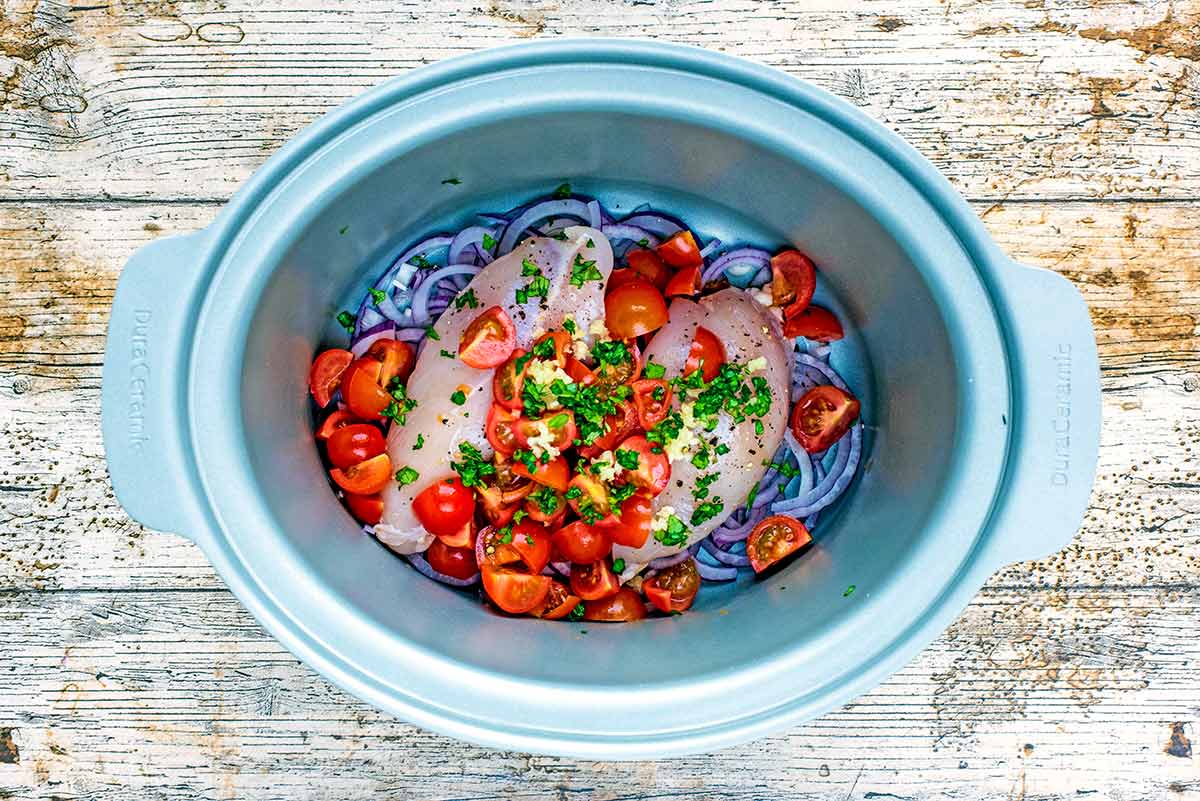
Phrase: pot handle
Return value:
(1055, 415)
(142, 400)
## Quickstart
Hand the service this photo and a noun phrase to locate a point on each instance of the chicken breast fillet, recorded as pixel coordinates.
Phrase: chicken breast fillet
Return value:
(442, 425)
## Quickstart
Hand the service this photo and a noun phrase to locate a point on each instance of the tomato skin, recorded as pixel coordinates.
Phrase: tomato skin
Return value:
(822, 417)
(793, 281)
(647, 264)
(632, 527)
(365, 508)
(340, 418)
(579, 542)
(463, 538)
(492, 551)
(611, 376)
(548, 519)
(361, 391)
(396, 359)
(326, 374)
(501, 429)
(686, 282)
(621, 607)
(707, 355)
(366, 477)
(653, 472)
(773, 539)
(558, 604)
(592, 491)
(618, 426)
(622, 276)
(815, 323)
(594, 581)
(673, 589)
(456, 562)
(507, 383)
(532, 541)
(633, 309)
(681, 250)
(580, 373)
(354, 443)
(652, 400)
(488, 340)
(555, 474)
(444, 506)
(564, 434)
(515, 593)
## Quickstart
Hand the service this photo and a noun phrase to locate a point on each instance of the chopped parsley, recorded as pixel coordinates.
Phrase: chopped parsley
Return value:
(342, 231)
(626, 458)
(589, 513)
(674, 534)
(618, 565)
(473, 466)
(406, 476)
(400, 404)
(458, 397)
(452, 181)
(589, 404)
(572, 493)
(849, 590)
(537, 287)
(546, 500)
(569, 326)
(702, 484)
(753, 494)
(448, 354)
(488, 242)
(467, 299)
(528, 268)
(526, 458)
(584, 271)
(590, 243)
(652, 370)
(420, 261)
(420, 442)
(377, 295)
(544, 349)
(559, 420)
(619, 494)
(434, 335)
(562, 191)
(645, 243)
(667, 430)
(576, 613)
(722, 449)
(611, 352)
(346, 320)
(707, 511)
(700, 460)
(533, 398)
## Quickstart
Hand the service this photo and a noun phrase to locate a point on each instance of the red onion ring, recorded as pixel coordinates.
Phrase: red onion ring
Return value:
(713, 573)
(419, 562)
(621, 231)
(660, 225)
(841, 474)
(540, 211)
(365, 342)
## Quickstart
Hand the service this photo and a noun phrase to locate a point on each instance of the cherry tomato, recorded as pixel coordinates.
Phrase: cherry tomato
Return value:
(647, 264)
(580, 373)
(652, 399)
(555, 473)
(354, 443)
(500, 429)
(591, 496)
(547, 516)
(515, 593)
(560, 424)
(633, 309)
(463, 538)
(507, 382)
(707, 355)
(558, 604)
(396, 359)
(495, 510)
(632, 527)
(326, 373)
(340, 418)
(489, 339)
(618, 277)
(562, 345)
(674, 588)
(365, 508)
(822, 417)
(681, 250)
(361, 391)
(622, 606)
(653, 472)
(492, 550)
(594, 581)
(813, 323)
(617, 426)
(364, 478)
(456, 562)
(611, 376)
(532, 541)
(773, 539)
(793, 281)
(501, 497)
(579, 542)
(686, 282)
(444, 506)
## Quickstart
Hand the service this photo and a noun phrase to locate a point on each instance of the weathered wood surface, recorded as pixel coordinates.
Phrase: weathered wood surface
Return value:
(126, 670)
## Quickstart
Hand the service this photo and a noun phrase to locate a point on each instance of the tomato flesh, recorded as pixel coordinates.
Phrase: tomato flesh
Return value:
(532, 542)
(652, 400)
(822, 417)
(507, 382)
(653, 472)
(366, 477)
(773, 539)
(558, 604)
(793, 281)
(591, 496)
(633, 309)
(622, 606)
(456, 562)
(594, 580)
(632, 527)
(673, 589)
(815, 323)
(685, 283)
(681, 250)
(501, 429)
(561, 426)
(365, 508)
(515, 593)
(326, 374)
(463, 538)
(444, 506)
(706, 355)
(488, 340)
(361, 390)
(340, 418)
(396, 359)
(648, 264)
(617, 426)
(354, 443)
(555, 473)
(579, 542)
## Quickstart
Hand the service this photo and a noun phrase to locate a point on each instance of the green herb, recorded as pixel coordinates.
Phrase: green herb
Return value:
(589, 404)
(539, 286)
(342, 231)
(546, 499)
(622, 392)
(400, 404)
(674, 534)
(406, 476)
(529, 267)
(584, 271)
(518, 516)
(521, 361)
(667, 430)
(488, 242)
(533, 398)
(562, 191)
(506, 534)
(420, 261)
(572, 493)
(559, 420)
(420, 442)
(784, 469)
(618, 565)
(707, 511)
(619, 494)
(702, 484)
(452, 181)
(466, 299)
(626, 458)
(458, 397)
(659, 393)
(473, 466)
(576, 613)
(434, 335)
(753, 494)
(722, 449)
(448, 354)
(560, 235)
(544, 349)
(849, 590)
(526, 458)
(589, 513)
(346, 320)
(758, 428)
(590, 243)
(652, 370)
(700, 460)
(569, 326)
(645, 243)
(377, 296)
(612, 352)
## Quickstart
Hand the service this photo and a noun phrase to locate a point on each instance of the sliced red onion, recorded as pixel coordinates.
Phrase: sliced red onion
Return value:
(368, 530)
(632, 233)
(467, 245)
(804, 464)
(368, 317)
(712, 573)
(767, 492)
(418, 561)
(810, 522)
(668, 561)
(735, 559)
(563, 568)
(537, 212)
(660, 225)
(834, 484)
(411, 334)
(420, 302)
(820, 350)
(737, 265)
(594, 217)
(760, 278)
(803, 360)
(422, 248)
(728, 536)
(708, 249)
(388, 308)
(365, 342)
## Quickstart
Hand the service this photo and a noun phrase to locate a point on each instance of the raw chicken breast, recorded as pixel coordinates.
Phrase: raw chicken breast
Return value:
(435, 377)
(747, 330)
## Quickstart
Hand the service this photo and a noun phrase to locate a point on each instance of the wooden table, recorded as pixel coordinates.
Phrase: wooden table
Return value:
(127, 671)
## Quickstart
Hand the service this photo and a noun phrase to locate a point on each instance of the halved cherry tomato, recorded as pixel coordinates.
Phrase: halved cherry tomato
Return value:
(822, 417)
(495, 510)
(515, 593)
(647, 264)
(773, 539)
(617, 426)
(707, 354)
(681, 250)
(652, 399)
(326, 373)
(340, 418)
(507, 382)
(793, 280)
(558, 604)
(532, 541)
(354, 443)
(492, 550)
(813, 323)
(611, 376)
(500, 428)
(361, 390)
(541, 510)
(632, 526)
(686, 282)
(562, 346)
(633, 309)
(560, 424)
(580, 373)
(501, 497)
(456, 562)
(489, 339)
(618, 277)
(594, 581)
(364, 478)
(579, 542)
(444, 506)
(396, 359)
(365, 508)
(673, 589)
(622, 606)
(555, 473)
(463, 538)
(653, 472)
(591, 496)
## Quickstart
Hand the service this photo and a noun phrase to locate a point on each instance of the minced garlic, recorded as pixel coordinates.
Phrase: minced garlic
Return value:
(542, 442)
(661, 518)
(757, 364)
(604, 467)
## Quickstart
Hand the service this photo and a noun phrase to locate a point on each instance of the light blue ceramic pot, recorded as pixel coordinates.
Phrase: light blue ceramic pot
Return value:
(980, 378)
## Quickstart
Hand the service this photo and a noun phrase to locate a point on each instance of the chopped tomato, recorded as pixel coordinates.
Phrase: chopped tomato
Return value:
(579, 542)
(354, 443)
(488, 340)
(617, 426)
(648, 264)
(620, 607)
(594, 581)
(580, 373)
(501, 497)
(555, 473)
(591, 498)
(456, 562)
(507, 382)
(340, 418)
(494, 508)
(632, 527)
(495, 549)
(444, 506)
(532, 541)
(611, 376)
(707, 355)
(793, 281)
(500, 428)
(364, 478)
(686, 282)
(822, 417)
(396, 359)
(560, 424)
(361, 390)
(326, 373)
(773, 539)
(681, 250)
(558, 604)
(365, 508)
(633, 309)
(515, 593)
(673, 589)
(652, 399)
(619, 277)
(562, 346)
(653, 470)
(813, 323)
(543, 511)
(463, 538)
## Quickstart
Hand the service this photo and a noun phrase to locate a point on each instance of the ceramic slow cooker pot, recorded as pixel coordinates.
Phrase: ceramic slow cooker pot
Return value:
(979, 378)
